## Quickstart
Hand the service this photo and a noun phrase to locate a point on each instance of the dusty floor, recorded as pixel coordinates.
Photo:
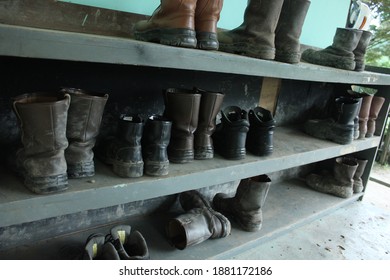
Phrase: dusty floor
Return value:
(359, 231)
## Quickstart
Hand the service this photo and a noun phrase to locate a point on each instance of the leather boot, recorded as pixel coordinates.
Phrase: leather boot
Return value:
(124, 151)
(363, 115)
(199, 223)
(182, 108)
(96, 248)
(129, 245)
(339, 129)
(84, 119)
(210, 104)
(340, 53)
(206, 18)
(376, 106)
(230, 135)
(289, 29)
(357, 180)
(340, 183)
(172, 23)
(255, 37)
(260, 135)
(41, 161)
(360, 50)
(155, 141)
(246, 206)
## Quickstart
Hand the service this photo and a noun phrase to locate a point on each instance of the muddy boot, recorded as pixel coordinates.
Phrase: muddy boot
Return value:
(96, 248)
(340, 183)
(206, 18)
(360, 50)
(210, 104)
(84, 119)
(340, 53)
(246, 205)
(199, 223)
(230, 135)
(289, 29)
(129, 245)
(41, 161)
(155, 141)
(182, 108)
(124, 151)
(260, 135)
(357, 180)
(376, 106)
(339, 129)
(172, 23)
(255, 37)
(363, 115)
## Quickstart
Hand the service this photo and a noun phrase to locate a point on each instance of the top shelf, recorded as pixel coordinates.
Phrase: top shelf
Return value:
(51, 44)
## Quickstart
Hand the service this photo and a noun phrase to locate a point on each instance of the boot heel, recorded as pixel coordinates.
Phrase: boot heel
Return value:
(46, 185)
(129, 169)
(184, 38)
(207, 41)
(155, 168)
(204, 153)
(81, 170)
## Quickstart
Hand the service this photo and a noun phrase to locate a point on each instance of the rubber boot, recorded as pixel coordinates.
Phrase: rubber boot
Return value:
(340, 53)
(361, 49)
(129, 245)
(231, 133)
(182, 108)
(260, 135)
(376, 106)
(172, 23)
(356, 129)
(41, 160)
(339, 129)
(246, 206)
(199, 223)
(357, 180)
(255, 37)
(340, 183)
(210, 105)
(207, 15)
(289, 29)
(363, 115)
(124, 151)
(96, 248)
(84, 119)
(155, 141)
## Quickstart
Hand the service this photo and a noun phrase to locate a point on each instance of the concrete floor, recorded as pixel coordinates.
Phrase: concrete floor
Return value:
(359, 231)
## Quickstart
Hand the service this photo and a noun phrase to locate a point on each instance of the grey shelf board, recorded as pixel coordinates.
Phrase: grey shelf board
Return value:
(291, 148)
(289, 205)
(50, 44)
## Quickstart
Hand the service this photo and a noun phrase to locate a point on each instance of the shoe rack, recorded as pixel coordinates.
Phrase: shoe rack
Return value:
(96, 203)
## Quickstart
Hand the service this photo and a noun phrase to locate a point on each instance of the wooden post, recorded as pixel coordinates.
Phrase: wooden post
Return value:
(269, 93)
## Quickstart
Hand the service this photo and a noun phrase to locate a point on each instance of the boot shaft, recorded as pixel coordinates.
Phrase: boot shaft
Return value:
(343, 171)
(345, 41)
(361, 49)
(207, 15)
(252, 192)
(347, 110)
(130, 130)
(376, 106)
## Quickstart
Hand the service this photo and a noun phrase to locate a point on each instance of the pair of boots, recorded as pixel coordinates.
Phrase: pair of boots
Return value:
(341, 127)
(239, 131)
(58, 134)
(193, 115)
(369, 111)
(345, 179)
(182, 23)
(347, 51)
(271, 30)
(139, 146)
(119, 244)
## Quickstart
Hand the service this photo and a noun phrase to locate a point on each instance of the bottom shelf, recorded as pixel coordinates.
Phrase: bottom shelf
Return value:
(288, 205)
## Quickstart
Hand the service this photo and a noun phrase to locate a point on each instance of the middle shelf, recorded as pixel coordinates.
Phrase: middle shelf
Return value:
(292, 147)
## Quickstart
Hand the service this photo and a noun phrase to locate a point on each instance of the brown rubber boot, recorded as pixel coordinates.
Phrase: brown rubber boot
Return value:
(199, 223)
(246, 205)
(363, 115)
(206, 18)
(289, 29)
(360, 50)
(182, 108)
(84, 119)
(255, 37)
(357, 180)
(41, 161)
(340, 53)
(376, 106)
(172, 23)
(210, 104)
(340, 183)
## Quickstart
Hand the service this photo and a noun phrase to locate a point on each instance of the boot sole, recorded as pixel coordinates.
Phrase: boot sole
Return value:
(81, 170)
(128, 169)
(248, 50)
(46, 185)
(185, 38)
(207, 41)
(156, 168)
(204, 153)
